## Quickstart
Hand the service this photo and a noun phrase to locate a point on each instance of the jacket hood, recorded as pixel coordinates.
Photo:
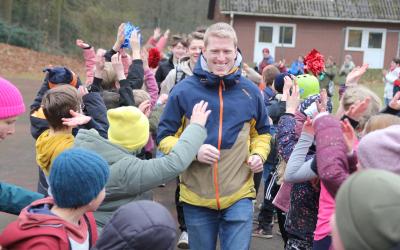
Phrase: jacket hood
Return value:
(49, 147)
(184, 66)
(139, 225)
(209, 79)
(90, 139)
(31, 224)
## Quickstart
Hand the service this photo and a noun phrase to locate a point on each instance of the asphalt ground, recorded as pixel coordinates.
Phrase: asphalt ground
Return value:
(17, 166)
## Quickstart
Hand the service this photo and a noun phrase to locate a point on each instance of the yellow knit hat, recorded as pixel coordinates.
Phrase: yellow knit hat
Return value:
(129, 127)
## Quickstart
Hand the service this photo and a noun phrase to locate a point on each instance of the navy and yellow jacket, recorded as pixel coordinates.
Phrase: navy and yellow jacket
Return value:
(238, 126)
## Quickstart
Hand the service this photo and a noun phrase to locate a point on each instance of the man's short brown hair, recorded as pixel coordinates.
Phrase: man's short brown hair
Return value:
(57, 103)
(195, 36)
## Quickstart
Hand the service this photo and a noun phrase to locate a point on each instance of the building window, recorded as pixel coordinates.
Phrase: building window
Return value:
(354, 39)
(375, 40)
(265, 35)
(285, 35)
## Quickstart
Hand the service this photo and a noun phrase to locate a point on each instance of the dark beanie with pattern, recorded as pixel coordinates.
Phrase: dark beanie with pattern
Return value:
(77, 176)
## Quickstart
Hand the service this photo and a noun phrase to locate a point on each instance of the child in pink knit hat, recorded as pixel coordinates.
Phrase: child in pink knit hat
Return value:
(11, 106)
(12, 198)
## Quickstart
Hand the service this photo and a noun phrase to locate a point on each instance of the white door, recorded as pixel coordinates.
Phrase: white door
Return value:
(264, 39)
(374, 47)
(271, 36)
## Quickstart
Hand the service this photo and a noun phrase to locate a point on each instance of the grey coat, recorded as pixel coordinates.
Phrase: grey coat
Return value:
(131, 176)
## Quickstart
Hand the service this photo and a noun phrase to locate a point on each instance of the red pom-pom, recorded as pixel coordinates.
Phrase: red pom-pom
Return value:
(397, 83)
(154, 58)
(314, 62)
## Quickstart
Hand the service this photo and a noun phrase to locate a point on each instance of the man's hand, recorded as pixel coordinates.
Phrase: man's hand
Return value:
(200, 113)
(255, 163)
(76, 120)
(208, 154)
(118, 66)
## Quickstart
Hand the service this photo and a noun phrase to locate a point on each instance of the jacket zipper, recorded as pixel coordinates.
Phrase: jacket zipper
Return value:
(221, 115)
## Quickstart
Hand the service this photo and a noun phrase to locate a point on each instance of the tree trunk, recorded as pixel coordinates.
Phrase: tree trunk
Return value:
(6, 10)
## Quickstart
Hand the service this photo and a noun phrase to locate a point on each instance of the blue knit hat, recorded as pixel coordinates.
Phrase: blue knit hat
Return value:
(77, 176)
(280, 82)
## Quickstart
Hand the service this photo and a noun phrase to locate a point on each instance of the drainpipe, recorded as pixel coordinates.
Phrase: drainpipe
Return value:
(231, 16)
(398, 46)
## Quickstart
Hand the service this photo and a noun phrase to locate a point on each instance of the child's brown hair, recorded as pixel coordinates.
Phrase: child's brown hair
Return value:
(57, 103)
(380, 121)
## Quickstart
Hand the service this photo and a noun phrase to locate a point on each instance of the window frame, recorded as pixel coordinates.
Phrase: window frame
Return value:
(275, 33)
(364, 38)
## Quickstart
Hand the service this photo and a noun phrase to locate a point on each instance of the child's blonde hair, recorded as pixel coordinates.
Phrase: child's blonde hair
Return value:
(380, 121)
(109, 77)
(140, 95)
(359, 93)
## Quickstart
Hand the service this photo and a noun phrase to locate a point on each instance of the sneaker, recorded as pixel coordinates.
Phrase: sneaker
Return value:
(262, 233)
(183, 242)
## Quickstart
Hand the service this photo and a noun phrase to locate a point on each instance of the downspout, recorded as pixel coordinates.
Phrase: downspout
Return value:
(231, 18)
(398, 46)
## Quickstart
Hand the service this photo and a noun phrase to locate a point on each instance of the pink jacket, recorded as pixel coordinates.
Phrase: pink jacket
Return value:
(151, 86)
(160, 44)
(90, 64)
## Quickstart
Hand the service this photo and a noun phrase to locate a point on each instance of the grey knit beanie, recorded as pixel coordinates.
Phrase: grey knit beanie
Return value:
(368, 210)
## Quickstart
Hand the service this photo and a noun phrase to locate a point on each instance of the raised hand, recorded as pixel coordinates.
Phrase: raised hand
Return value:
(145, 107)
(144, 54)
(293, 99)
(135, 45)
(120, 37)
(166, 33)
(322, 103)
(348, 134)
(81, 44)
(357, 110)
(118, 66)
(288, 83)
(156, 33)
(76, 120)
(200, 113)
(308, 126)
(395, 102)
(82, 91)
(354, 76)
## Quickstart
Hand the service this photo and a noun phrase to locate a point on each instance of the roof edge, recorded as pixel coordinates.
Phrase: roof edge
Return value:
(311, 17)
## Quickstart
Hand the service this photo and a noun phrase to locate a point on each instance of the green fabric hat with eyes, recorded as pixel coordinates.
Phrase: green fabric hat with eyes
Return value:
(308, 85)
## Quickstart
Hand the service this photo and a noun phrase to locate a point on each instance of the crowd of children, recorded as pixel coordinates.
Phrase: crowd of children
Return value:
(202, 116)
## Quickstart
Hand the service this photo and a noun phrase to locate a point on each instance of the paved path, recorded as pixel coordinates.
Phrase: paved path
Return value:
(17, 165)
